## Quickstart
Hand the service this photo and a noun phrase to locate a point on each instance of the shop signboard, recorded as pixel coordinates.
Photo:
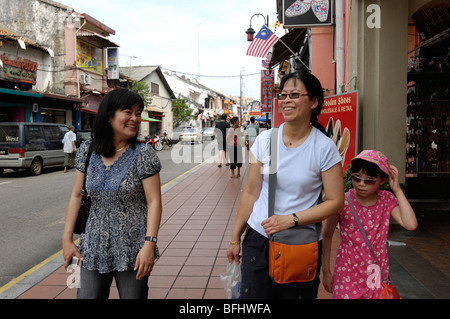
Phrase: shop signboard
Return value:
(339, 117)
(113, 63)
(267, 83)
(89, 57)
(17, 69)
(307, 13)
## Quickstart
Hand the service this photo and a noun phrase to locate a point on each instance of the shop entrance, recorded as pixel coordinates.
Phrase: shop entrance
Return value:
(428, 109)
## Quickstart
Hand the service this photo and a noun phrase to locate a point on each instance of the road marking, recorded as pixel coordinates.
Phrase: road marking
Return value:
(46, 261)
(5, 183)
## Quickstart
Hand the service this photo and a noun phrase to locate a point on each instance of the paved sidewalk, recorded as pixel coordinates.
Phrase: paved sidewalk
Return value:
(199, 210)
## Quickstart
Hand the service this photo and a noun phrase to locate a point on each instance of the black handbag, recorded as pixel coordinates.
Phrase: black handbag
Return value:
(85, 206)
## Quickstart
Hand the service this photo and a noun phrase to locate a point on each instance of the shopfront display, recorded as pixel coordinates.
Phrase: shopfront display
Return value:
(428, 110)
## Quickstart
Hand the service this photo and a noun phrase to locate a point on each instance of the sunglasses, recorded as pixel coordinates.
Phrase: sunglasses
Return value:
(292, 96)
(358, 180)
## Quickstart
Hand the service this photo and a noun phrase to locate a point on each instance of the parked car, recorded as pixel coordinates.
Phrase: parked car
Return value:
(31, 146)
(82, 135)
(191, 135)
(176, 133)
(209, 133)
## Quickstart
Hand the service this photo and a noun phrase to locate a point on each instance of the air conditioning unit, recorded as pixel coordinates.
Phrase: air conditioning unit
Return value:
(85, 79)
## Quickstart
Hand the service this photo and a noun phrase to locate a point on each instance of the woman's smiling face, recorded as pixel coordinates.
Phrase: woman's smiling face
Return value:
(125, 123)
(299, 108)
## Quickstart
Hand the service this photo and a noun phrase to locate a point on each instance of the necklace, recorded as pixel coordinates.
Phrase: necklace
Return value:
(119, 149)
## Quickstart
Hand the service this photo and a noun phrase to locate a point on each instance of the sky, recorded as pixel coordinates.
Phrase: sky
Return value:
(192, 37)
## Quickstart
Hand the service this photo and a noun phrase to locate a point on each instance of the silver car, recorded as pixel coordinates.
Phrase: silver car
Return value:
(191, 135)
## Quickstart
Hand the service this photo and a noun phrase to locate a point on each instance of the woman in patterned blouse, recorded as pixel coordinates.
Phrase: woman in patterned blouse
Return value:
(124, 185)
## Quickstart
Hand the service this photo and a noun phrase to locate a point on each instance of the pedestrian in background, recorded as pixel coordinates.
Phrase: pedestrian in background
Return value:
(251, 132)
(69, 147)
(235, 143)
(124, 185)
(222, 126)
(370, 170)
(308, 162)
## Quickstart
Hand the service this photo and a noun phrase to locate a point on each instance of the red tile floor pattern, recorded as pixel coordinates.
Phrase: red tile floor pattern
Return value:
(198, 218)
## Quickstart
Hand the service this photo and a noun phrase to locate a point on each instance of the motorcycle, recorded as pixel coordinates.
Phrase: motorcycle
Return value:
(166, 140)
(155, 142)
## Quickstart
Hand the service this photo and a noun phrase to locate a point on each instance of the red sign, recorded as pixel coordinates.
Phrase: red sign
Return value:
(339, 117)
(267, 95)
(18, 69)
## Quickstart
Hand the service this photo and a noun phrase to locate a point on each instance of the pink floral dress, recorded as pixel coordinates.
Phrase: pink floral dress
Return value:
(352, 271)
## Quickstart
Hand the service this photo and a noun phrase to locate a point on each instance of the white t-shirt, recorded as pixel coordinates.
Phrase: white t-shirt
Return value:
(69, 137)
(299, 181)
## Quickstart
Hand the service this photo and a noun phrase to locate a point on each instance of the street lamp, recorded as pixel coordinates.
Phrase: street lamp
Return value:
(250, 32)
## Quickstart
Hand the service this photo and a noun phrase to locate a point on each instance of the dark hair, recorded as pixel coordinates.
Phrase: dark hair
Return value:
(314, 89)
(252, 119)
(233, 120)
(102, 134)
(371, 169)
(223, 117)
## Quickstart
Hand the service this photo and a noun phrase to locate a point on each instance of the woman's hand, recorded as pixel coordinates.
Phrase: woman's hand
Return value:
(145, 260)
(277, 223)
(327, 281)
(70, 250)
(233, 253)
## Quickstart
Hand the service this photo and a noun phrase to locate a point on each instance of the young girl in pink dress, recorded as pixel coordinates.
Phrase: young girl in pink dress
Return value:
(353, 273)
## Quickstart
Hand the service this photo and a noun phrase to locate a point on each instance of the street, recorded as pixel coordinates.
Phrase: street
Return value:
(32, 210)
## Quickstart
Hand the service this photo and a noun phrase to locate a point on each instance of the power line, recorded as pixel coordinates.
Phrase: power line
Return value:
(210, 76)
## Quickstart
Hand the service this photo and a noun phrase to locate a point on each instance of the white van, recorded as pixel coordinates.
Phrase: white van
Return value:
(31, 146)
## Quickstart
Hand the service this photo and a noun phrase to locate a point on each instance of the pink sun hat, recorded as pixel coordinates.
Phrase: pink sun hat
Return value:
(375, 157)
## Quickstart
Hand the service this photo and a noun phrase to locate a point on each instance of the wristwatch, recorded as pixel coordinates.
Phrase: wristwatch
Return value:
(152, 239)
(295, 218)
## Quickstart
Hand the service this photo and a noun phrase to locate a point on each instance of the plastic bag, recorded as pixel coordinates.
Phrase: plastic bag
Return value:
(231, 280)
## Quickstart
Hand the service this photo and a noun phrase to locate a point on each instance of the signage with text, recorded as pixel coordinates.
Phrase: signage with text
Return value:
(17, 69)
(339, 117)
(267, 83)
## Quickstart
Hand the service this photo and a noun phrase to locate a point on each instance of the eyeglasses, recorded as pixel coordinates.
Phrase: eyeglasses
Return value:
(358, 180)
(292, 96)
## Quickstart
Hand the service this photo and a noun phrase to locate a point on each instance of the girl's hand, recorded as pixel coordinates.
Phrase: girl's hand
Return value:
(393, 179)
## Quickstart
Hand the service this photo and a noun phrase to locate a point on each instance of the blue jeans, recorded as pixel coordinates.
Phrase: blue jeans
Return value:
(94, 285)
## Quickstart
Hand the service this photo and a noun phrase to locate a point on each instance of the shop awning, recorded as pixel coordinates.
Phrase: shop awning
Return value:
(90, 111)
(149, 119)
(23, 93)
(294, 40)
(156, 109)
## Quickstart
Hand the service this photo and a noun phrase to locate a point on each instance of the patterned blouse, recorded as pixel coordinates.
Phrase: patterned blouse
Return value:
(117, 223)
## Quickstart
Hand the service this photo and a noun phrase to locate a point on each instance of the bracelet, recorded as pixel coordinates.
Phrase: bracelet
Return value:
(235, 242)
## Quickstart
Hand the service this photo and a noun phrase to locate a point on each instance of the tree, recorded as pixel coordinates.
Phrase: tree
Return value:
(181, 112)
(143, 90)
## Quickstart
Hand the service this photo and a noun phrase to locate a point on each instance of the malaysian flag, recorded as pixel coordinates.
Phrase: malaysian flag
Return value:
(262, 43)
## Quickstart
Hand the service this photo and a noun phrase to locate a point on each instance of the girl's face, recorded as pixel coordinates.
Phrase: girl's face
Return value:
(125, 123)
(365, 185)
(297, 106)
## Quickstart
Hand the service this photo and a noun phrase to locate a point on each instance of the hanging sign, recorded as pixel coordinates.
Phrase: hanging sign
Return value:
(267, 83)
(307, 13)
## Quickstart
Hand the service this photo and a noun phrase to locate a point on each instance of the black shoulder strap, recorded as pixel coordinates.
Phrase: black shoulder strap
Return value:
(84, 192)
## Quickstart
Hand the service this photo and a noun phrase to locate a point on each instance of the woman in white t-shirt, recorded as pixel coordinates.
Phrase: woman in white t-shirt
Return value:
(308, 162)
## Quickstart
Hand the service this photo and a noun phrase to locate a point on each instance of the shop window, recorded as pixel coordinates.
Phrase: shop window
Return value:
(53, 116)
